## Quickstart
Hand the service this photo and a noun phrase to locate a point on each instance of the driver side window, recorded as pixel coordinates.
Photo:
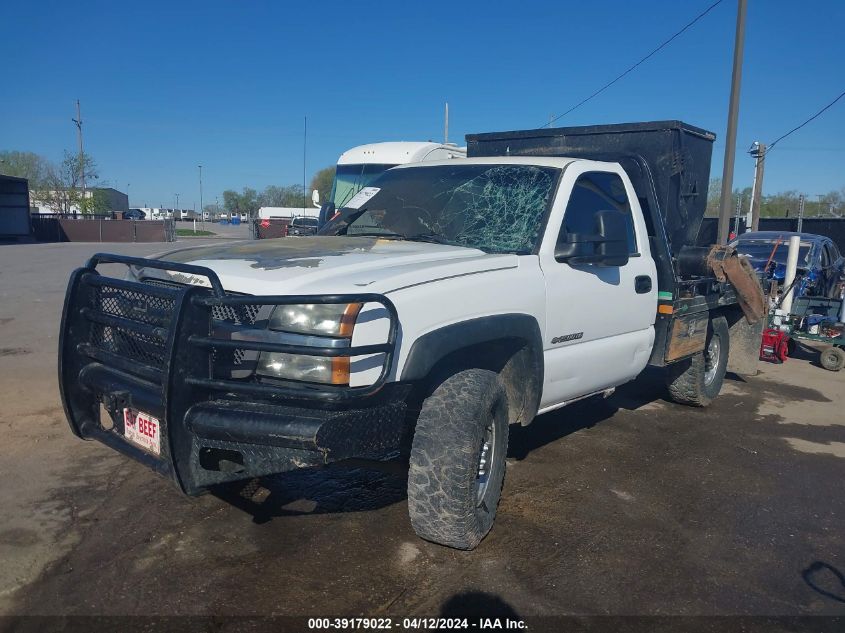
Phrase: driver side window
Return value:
(593, 192)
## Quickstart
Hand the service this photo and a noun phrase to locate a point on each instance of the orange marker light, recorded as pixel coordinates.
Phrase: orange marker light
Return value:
(347, 321)
(340, 370)
(665, 309)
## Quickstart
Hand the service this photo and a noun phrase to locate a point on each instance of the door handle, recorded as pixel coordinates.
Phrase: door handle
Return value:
(642, 284)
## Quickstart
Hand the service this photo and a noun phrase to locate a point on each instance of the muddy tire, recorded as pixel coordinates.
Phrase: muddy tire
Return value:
(697, 380)
(832, 358)
(457, 464)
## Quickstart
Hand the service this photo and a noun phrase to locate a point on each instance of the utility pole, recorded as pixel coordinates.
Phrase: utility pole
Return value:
(202, 214)
(733, 115)
(78, 121)
(758, 151)
(800, 211)
(446, 125)
(176, 210)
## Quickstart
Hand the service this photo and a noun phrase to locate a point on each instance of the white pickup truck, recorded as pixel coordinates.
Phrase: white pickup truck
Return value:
(440, 305)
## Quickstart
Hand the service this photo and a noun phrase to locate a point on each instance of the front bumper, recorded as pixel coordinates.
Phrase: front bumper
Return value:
(127, 344)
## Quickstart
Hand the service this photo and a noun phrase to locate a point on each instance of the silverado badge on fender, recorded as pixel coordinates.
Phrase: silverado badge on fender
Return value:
(567, 337)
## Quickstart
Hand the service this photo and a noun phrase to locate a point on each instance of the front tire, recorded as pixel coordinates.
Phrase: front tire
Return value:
(457, 464)
(695, 381)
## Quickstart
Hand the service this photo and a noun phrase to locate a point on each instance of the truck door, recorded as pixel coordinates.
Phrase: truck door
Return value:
(599, 319)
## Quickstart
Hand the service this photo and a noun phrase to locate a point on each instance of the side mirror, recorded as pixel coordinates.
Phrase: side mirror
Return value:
(577, 246)
(608, 246)
(315, 198)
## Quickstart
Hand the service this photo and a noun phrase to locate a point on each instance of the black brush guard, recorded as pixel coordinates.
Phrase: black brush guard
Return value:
(151, 347)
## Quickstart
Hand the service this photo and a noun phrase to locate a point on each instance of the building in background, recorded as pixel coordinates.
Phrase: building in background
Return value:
(102, 200)
(163, 213)
(269, 213)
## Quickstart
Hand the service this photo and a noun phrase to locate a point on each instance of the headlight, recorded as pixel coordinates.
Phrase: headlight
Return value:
(322, 319)
(331, 371)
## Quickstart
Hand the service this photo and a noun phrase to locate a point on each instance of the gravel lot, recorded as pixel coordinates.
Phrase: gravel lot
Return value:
(631, 505)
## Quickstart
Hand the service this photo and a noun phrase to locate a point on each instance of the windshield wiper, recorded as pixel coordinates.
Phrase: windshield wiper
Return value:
(434, 238)
(386, 234)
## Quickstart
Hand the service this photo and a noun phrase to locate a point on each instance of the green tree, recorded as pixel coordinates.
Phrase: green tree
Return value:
(322, 182)
(29, 165)
(61, 187)
(714, 193)
(780, 205)
(97, 202)
(244, 202)
(286, 196)
(714, 196)
(231, 200)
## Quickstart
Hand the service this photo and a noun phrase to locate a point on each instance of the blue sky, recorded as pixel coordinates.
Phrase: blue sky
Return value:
(166, 86)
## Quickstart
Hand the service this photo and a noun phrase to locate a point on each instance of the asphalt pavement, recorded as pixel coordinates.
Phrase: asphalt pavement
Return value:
(625, 506)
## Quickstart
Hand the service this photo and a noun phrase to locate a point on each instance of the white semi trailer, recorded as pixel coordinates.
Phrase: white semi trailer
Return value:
(359, 166)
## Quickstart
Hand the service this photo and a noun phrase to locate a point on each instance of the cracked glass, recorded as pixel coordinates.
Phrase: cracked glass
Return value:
(498, 208)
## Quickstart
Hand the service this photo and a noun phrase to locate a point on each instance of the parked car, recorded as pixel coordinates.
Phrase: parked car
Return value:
(821, 267)
(302, 226)
(134, 214)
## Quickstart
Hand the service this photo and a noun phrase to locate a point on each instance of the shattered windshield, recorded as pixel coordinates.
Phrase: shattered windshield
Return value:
(495, 208)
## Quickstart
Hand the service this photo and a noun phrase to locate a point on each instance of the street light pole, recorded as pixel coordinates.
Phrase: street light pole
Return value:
(730, 136)
(176, 210)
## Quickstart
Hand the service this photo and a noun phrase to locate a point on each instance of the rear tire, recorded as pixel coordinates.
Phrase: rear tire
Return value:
(832, 358)
(695, 381)
(452, 493)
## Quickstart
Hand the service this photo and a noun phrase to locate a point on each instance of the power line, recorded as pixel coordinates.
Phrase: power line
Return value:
(652, 53)
(795, 129)
(771, 146)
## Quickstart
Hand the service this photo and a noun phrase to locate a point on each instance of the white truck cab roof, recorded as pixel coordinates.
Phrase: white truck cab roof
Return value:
(400, 153)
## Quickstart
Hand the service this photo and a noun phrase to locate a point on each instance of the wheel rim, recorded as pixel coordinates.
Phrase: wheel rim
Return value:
(485, 463)
(711, 360)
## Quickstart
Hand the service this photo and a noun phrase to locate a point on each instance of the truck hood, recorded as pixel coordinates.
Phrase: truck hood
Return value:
(328, 264)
